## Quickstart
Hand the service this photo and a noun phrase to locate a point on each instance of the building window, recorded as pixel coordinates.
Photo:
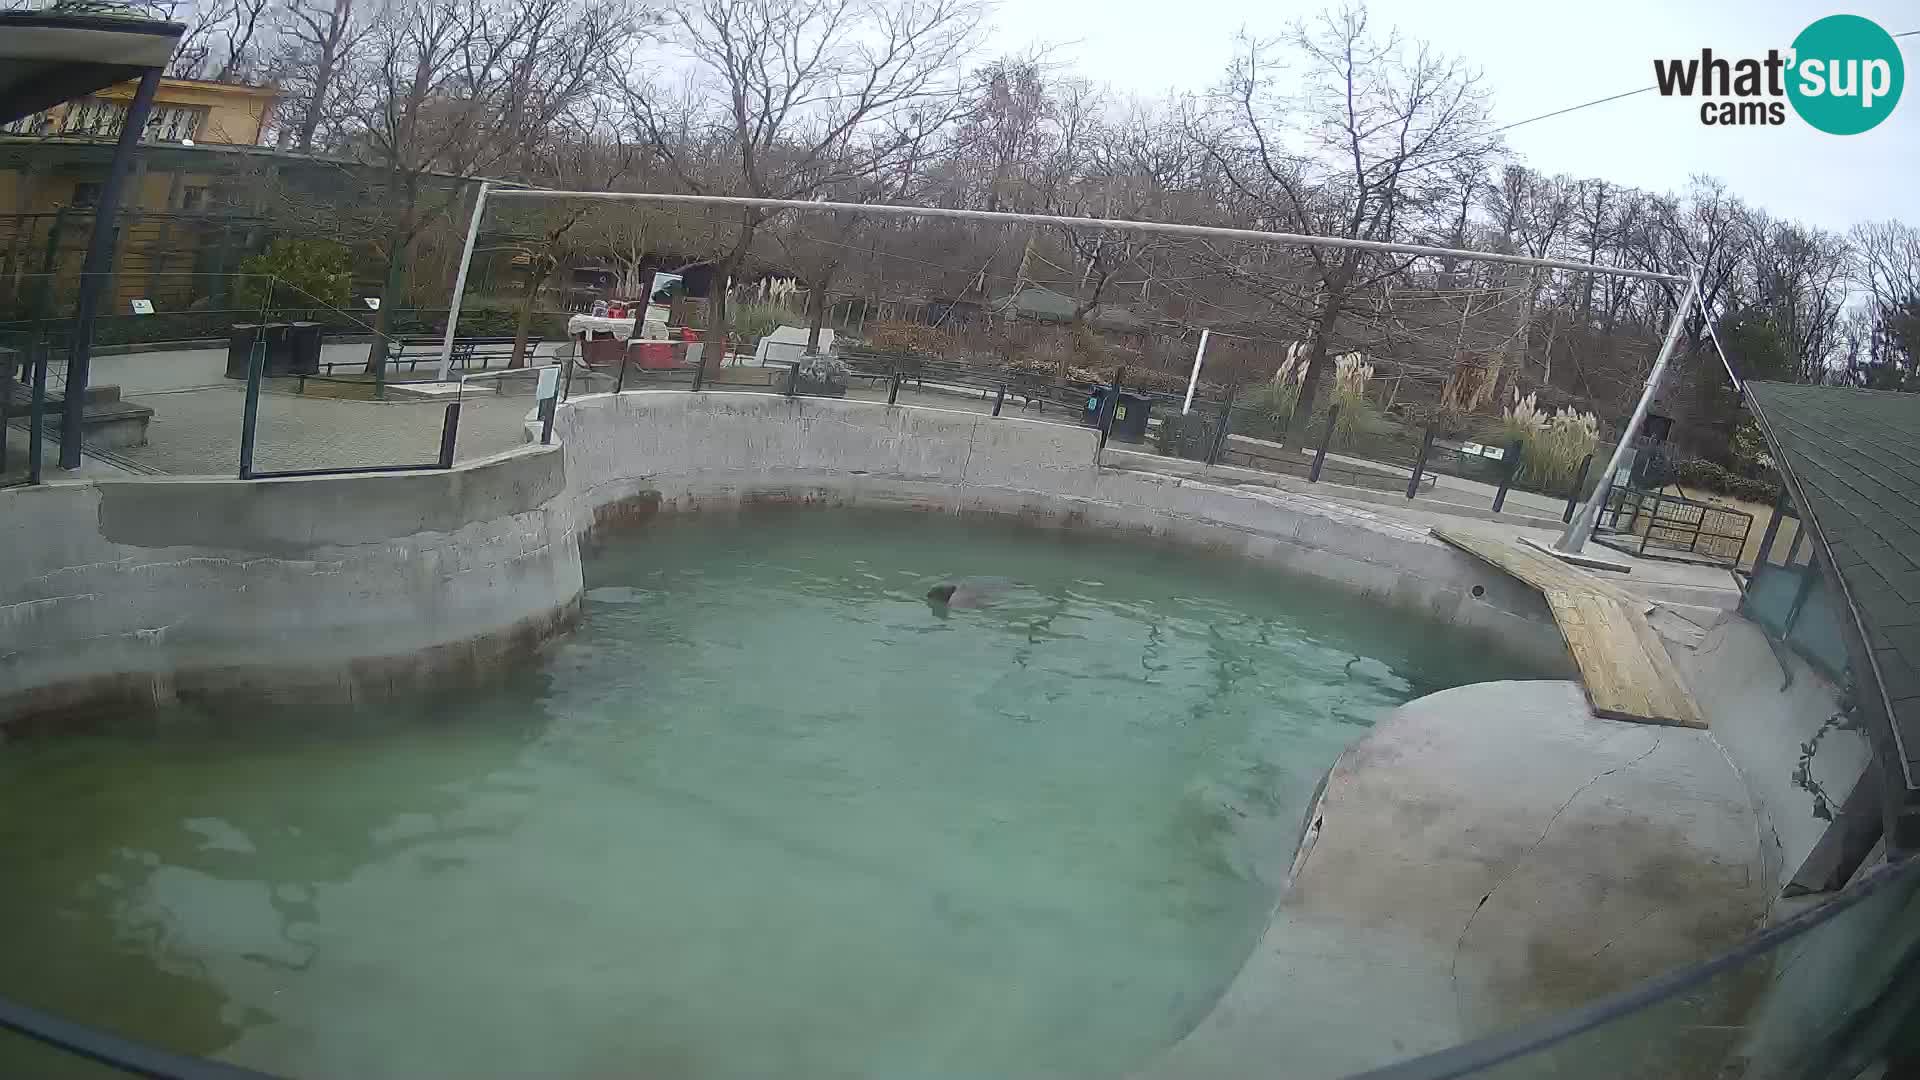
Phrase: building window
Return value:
(101, 119)
(174, 123)
(86, 194)
(193, 198)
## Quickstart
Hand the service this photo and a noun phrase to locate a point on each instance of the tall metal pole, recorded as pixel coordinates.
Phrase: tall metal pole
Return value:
(1193, 380)
(93, 272)
(1581, 528)
(460, 282)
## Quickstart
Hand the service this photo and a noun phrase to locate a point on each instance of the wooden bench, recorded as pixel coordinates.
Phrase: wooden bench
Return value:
(1625, 666)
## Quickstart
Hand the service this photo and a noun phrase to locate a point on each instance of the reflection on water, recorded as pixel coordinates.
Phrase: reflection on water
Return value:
(768, 812)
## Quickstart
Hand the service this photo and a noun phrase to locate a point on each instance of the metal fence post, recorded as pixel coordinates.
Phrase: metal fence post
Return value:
(1506, 480)
(1773, 529)
(546, 420)
(1420, 465)
(566, 381)
(250, 412)
(699, 374)
(620, 383)
(37, 413)
(1579, 481)
(6, 402)
(1220, 431)
(1111, 406)
(999, 399)
(449, 434)
(793, 379)
(1320, 455)
(893, 387)
(1653, 517)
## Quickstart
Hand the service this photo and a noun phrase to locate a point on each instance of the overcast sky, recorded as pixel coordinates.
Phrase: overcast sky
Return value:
(1541, 55)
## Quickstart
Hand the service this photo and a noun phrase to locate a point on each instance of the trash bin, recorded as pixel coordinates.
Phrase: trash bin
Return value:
(1129, 413)
(303, 349)
(240, 347)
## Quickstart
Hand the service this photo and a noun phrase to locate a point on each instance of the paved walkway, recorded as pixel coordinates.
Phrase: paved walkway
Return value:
(197, 415)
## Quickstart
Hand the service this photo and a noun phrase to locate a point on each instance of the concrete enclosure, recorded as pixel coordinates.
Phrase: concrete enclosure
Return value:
(132, 591)
(140, 591)
(1485, 854)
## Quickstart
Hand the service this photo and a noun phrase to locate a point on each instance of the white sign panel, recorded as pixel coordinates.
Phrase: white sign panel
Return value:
(549, 383)
(372, 302)
(143, 307)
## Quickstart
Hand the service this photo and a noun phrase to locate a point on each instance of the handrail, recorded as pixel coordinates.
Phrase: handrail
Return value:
(115, 1051)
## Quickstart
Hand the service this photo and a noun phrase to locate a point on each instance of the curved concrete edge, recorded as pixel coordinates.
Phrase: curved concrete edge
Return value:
(124, 592)
(1457, 895)
(331, 588)
(717, 451)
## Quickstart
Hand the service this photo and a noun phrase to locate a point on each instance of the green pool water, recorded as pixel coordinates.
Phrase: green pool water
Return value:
(766, 813)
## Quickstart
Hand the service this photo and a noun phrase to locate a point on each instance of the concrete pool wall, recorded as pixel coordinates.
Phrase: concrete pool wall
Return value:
(143, 591)
(639, 453)
(139, 592)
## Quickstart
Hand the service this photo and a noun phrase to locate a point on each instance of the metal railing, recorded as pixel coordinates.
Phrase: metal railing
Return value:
(1657, 525)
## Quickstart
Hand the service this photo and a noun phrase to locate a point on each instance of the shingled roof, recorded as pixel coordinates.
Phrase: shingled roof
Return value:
(1851, 459)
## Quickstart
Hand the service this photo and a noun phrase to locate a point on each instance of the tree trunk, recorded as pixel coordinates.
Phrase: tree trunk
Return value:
(520, 332)
(389, 292)
(714, 354)
(817, 309)
(1317, 359)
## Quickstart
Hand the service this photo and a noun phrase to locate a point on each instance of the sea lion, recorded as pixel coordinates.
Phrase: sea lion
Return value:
(966, 592)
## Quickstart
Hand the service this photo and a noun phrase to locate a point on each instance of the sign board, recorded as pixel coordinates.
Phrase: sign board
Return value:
(549, 383)
(372, 302)
(143, 307)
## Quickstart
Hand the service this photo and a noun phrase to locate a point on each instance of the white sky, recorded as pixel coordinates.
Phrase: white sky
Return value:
(1541, 55)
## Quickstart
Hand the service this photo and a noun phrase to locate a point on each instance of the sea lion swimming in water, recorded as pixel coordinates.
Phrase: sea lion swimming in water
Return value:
(966, 592)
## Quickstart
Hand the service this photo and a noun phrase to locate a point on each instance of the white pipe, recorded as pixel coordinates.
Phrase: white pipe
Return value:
(1193, 380)
(460, 283)
(1580, 529)
(1167, 227)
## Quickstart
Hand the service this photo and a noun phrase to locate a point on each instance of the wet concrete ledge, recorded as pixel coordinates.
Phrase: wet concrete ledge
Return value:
(1441, 893)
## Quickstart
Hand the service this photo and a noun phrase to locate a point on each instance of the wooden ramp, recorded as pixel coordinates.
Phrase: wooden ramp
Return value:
(1627, 670)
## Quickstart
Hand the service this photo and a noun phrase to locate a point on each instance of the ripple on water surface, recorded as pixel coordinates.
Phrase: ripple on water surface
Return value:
(768, 812)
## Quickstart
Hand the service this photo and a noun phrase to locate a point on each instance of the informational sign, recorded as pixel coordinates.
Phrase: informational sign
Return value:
(143, 307)
(373, 302)
(549, 383)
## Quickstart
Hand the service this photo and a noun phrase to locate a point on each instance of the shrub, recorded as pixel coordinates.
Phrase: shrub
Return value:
(296, 272)
(1264, 413)
(753, 321)
(1351, 373)
(1552, 445)
(908, 337)
(1707, 476)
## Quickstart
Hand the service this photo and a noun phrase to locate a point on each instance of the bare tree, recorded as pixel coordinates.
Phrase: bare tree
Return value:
(1367, 152)
(317, 40)
(1888, 333)
(798, 98)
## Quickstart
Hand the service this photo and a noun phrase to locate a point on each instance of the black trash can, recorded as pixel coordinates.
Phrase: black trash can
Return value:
(303, 348)
(1129, 413)
(240, 348)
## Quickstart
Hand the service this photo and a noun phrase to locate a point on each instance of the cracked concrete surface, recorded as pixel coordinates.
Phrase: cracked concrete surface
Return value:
(1488, 855)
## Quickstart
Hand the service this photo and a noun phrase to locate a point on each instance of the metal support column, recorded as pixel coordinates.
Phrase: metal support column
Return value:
(460, 282)
(1580, 530)
(93, 273)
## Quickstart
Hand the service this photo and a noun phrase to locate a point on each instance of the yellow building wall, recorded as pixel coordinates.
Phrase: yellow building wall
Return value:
(236, 115)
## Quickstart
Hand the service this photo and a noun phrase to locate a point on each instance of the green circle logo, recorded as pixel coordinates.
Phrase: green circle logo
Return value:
(1847, 74)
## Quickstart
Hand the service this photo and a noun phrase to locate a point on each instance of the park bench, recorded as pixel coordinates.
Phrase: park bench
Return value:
(414, 351)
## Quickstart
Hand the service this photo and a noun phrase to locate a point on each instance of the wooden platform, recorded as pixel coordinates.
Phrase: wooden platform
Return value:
(1628, 673)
